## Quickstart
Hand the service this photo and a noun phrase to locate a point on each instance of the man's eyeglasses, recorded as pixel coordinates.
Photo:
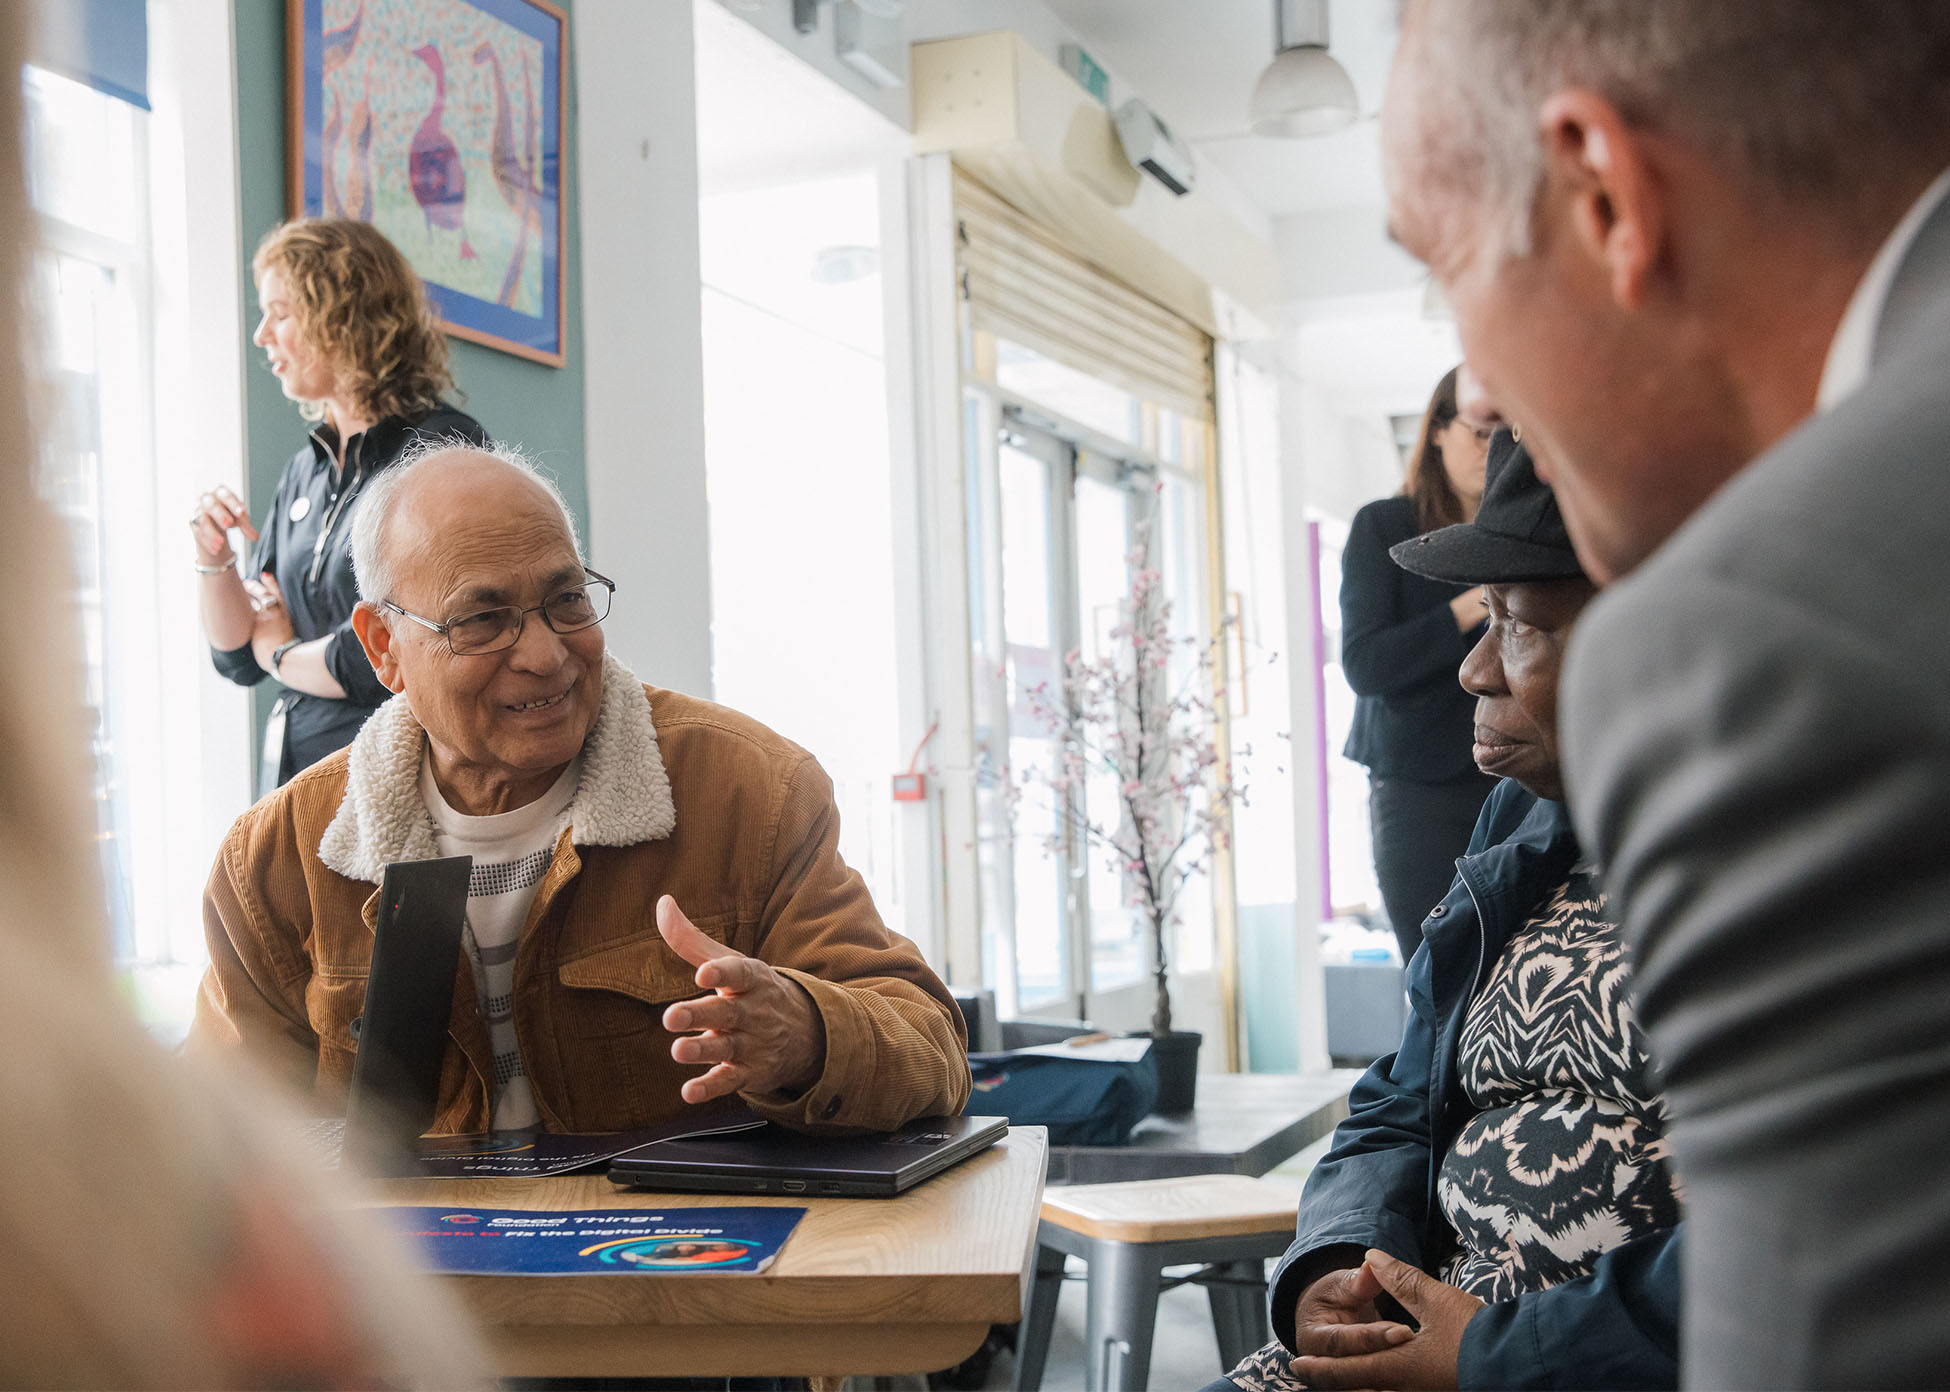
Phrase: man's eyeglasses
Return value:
(492, 630)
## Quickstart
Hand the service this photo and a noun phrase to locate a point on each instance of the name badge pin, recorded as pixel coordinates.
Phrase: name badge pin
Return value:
(300, 508)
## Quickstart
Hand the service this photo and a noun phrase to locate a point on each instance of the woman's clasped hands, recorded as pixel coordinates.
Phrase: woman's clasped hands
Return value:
(1344, 1342)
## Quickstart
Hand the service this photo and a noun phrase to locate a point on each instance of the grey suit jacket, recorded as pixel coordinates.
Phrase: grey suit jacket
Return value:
(1757, 740)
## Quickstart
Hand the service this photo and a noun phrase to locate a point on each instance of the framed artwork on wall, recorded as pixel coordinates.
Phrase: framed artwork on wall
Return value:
(440, 122)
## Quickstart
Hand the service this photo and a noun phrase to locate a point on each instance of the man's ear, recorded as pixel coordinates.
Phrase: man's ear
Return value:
(1602, 169)
(376, 637)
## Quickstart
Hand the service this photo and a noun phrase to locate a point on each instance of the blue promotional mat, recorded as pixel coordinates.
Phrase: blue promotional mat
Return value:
(595, 1242)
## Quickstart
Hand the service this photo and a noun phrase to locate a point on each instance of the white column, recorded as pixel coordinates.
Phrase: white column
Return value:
(201, 323)
(942, 498)
(643, 373)
(1303, 697)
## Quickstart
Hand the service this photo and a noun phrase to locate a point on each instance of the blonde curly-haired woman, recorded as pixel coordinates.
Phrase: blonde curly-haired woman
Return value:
(350, 335)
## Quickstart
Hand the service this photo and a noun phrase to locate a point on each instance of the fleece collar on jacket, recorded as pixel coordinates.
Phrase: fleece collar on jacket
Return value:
(622, 798)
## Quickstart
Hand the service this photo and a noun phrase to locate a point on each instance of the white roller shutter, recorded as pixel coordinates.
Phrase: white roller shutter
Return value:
(1021, 283)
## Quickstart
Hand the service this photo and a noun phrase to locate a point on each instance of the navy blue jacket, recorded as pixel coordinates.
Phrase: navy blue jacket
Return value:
(1617, 1327)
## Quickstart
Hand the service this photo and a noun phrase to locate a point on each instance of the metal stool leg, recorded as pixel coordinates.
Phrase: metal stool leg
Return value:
(1123, 1308)
(1238, 1298)
(1032, 1339)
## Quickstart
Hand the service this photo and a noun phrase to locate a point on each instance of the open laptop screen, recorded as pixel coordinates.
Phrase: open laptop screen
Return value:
(409, 1001)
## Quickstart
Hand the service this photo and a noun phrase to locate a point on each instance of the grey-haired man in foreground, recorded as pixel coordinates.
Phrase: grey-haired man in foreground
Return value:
(1699, 251)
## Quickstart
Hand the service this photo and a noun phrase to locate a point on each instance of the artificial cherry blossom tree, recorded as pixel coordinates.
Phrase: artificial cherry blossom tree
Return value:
(1145, 718)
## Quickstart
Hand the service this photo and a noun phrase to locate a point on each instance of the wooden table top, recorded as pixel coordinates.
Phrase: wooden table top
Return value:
(1244, 1123)
(863, 1286)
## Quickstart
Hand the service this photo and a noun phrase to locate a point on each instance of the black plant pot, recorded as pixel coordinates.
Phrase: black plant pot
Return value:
(1176, 1058)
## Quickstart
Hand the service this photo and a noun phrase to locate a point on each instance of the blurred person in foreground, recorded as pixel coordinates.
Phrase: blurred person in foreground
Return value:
(349, 333)
(155, 1230)
(632, 847)
(1700, 249)
(1501, 1179)
(1401, 637)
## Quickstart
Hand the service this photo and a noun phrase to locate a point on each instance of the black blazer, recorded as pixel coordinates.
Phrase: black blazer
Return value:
(1400, 650)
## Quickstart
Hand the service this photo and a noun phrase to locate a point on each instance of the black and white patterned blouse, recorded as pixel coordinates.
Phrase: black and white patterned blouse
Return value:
(1566, 1157)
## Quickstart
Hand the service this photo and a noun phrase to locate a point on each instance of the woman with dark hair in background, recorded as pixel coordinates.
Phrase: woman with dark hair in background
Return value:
(351, 337)
(1402, 637)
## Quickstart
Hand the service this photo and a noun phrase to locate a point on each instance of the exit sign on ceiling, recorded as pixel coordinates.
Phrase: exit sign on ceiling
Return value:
(1084, 69)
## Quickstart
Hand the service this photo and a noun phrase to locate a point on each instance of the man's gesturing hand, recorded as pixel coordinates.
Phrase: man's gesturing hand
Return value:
(761, 1030)
(1427, 1358)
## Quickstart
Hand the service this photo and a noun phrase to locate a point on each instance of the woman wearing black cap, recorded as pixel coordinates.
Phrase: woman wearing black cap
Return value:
(1501, 1179)
(1401, 638)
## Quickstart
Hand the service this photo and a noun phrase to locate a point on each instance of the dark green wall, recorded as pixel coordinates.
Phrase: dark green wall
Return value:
(520, 401)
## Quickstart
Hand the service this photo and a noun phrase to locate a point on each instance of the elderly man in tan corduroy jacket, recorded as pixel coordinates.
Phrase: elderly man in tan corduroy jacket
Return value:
(659, 915)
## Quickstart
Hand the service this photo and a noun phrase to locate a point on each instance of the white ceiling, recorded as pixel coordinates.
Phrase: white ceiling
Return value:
(1358, 344)
(1195, 62)
(764, 117)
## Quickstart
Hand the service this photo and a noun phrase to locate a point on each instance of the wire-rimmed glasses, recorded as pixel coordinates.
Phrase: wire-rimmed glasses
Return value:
(493, 630)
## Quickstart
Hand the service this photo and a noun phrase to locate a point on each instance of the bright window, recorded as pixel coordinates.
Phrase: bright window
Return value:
(1060, 484)
(135, 248)
(86, 175)
(798, 481)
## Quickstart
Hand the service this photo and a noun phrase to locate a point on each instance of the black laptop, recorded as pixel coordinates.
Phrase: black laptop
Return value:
(773, 1160)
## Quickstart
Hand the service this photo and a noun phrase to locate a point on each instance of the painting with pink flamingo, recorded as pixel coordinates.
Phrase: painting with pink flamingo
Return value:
(441, 123)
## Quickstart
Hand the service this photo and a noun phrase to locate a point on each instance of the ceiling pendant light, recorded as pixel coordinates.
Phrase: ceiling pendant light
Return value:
(1305, 91)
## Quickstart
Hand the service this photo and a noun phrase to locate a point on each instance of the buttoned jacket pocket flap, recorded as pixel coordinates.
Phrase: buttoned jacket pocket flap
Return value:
(643, 966)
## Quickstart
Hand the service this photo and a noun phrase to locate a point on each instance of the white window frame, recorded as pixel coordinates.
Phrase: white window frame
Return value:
(201, 325)
(125, 347)
(177, 422)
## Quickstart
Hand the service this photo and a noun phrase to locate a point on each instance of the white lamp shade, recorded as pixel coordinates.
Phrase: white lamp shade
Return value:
(1305, 92)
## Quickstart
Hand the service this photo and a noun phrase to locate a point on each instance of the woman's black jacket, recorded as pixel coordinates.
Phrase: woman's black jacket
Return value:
(311, 556)
(1400, 649)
